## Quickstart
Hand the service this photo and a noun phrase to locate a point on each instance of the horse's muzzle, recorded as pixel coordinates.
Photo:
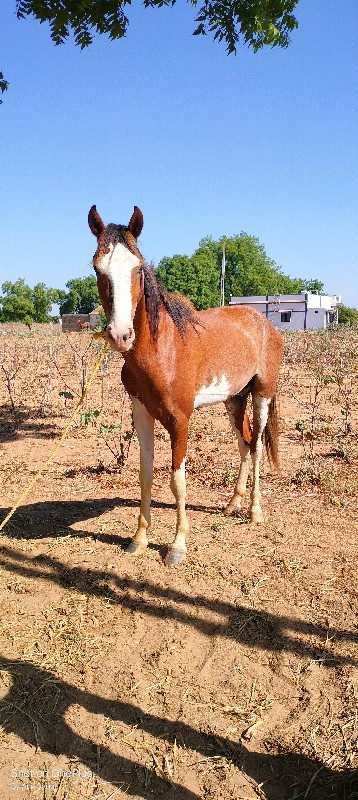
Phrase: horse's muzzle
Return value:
(121, 341)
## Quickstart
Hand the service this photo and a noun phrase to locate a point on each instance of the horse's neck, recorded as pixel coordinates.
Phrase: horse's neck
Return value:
(141, 324)
(144, 348)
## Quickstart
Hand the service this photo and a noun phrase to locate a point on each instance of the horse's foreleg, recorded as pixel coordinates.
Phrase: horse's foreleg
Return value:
(236, 408)
(179, 437)
(260, 417)
(144, 425)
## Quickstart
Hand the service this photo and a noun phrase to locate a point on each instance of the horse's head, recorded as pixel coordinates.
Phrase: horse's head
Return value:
(118, 266)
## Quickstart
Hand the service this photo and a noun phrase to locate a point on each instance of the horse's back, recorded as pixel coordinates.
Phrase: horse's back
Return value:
(241, 322)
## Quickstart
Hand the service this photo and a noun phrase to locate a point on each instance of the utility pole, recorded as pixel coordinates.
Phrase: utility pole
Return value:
(222, 281)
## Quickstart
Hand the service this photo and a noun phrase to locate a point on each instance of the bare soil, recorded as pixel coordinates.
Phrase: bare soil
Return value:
(232, 677)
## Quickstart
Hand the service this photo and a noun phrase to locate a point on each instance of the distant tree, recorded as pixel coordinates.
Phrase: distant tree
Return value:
(347, 315)
(20, 303)
(43, 298)
(253, 22)
(82, 296)
(16, 303)
(313, 285)
(249, 271)
(196, 277)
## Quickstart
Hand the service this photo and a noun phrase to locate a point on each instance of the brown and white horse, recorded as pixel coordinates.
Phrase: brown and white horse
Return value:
(84, 326)
(177, 359)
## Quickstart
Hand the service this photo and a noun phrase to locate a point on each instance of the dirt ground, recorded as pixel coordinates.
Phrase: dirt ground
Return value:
(232, 677)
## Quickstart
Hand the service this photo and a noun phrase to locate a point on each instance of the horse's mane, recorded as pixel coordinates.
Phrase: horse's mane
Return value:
(179, 308)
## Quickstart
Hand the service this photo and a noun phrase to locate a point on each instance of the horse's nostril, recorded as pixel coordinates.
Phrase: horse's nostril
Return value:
(128, 335)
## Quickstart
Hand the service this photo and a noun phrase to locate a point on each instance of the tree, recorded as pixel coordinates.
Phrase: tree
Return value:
(43, 298)
(249, 271)
(82, 296)
(16, 303)
(195, 277)
(253, 22)
(313, 285)
(20, 303)
(347, 315)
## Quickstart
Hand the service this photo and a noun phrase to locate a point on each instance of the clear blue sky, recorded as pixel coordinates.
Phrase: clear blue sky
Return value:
(203, 142)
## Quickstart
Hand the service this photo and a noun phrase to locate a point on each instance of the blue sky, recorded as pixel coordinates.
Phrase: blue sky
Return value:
(203, 142)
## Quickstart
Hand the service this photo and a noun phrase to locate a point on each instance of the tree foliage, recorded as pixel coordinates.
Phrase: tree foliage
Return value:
(82, 296)
(253, 22)
(20, 303)
(249, 271)
(347, 315)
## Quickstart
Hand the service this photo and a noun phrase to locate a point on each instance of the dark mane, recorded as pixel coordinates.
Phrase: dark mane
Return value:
(179, 308)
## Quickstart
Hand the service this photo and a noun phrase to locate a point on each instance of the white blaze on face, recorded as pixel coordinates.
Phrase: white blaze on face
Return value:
(118, 265)
(217, 391)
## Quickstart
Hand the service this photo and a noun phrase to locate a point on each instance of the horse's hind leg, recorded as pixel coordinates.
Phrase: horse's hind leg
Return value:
(236, 408)
(144, 425)
(260, 418)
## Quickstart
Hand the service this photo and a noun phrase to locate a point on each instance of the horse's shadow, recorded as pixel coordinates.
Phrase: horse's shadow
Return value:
(55, 518)
(35, 710)
(255, 628)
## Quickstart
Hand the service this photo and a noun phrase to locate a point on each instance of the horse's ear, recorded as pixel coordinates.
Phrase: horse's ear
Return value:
(136, 222)
(95, 222)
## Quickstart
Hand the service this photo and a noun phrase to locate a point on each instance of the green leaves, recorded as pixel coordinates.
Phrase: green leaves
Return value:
(196, 277)
(88, 416)
(347, 315)
(256, 23)
(253, 22)
(3, 85)
(249, 271)
(19, 303)
(82, 296)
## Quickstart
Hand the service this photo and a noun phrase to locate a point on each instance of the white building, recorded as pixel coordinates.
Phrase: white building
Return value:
(94, 317)
(295, 312)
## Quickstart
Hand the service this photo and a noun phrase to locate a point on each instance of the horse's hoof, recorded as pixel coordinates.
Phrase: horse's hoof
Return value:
(174, 557)
(135, 548)
(257, 517)
(231, 509)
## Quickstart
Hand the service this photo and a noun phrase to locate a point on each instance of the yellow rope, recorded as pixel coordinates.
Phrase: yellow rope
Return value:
(62, 437)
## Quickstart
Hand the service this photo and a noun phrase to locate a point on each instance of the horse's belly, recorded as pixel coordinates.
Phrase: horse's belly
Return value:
(217, 391)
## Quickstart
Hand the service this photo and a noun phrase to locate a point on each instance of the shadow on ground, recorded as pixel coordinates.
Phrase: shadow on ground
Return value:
(35, 709)
(286, 775)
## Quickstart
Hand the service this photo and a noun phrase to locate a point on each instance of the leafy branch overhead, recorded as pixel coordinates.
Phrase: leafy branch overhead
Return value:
(255, 22)
(252, 22)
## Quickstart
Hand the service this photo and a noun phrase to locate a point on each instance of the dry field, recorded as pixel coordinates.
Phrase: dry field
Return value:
(233, 677)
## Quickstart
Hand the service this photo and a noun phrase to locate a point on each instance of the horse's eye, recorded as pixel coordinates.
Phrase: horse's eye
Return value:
(140, 270)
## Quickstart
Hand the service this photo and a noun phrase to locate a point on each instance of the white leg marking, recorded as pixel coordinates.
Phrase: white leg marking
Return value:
(177, 551)
(144, 425)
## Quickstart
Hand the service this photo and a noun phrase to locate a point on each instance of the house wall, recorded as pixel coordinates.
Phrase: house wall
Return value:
(70, 322)
(94, 319)
(306, 310)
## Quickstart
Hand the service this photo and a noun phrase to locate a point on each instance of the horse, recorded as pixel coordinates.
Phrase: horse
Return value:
(177, 359)
(84, 326)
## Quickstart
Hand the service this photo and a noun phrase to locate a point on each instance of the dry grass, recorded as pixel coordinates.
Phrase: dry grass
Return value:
(233, 677)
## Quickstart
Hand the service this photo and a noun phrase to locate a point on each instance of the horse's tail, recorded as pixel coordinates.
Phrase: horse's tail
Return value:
(271, 435)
